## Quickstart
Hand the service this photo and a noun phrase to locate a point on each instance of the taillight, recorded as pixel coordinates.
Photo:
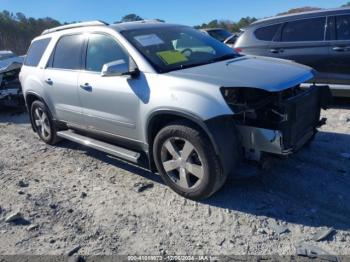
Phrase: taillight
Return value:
(238, 50)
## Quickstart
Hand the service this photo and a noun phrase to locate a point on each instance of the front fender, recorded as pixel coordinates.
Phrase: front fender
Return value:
(220, 130)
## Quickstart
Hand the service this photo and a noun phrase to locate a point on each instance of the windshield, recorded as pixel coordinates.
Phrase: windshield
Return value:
(177, 47)
(220, 34)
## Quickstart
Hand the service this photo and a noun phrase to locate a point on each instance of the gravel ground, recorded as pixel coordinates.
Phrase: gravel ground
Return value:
(71, 199)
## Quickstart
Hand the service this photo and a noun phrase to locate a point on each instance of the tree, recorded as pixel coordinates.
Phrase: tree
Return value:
(131, 18)
(134, 17)
(300, 9)
(228, 24)
(17, 31)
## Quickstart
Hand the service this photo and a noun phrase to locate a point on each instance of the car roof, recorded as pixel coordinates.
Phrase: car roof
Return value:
(117, 27)
(213, 29)
(144, 24)
(309, 14)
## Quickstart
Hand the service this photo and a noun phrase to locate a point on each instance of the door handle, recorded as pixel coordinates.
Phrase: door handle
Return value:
(49, 81)
(276, 50)
(340, 48)
(86, 87)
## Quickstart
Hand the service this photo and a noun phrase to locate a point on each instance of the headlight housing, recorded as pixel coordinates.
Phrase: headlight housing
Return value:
(241, 99)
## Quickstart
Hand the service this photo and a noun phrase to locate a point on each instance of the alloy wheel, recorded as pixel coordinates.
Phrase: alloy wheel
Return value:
(182, 162)
(42, 123)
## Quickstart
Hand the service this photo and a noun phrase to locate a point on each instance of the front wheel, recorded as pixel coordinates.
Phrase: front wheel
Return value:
(43, 123)
(186, 161)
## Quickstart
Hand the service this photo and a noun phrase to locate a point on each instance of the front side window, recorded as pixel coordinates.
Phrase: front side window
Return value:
(267, 33)
(68, 52)
(101, 50)
(36, 51)
(343, 27)
(304, 30)
(177, 47)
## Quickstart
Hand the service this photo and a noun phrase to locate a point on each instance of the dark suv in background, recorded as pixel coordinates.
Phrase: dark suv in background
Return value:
(320, 39)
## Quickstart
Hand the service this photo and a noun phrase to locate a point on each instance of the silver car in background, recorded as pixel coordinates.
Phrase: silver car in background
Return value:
(169, 98)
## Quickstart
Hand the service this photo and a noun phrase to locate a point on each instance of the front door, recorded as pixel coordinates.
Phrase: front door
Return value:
(110, 103)
(303, 41)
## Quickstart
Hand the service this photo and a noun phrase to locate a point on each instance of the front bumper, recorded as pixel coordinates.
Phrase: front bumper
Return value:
(257, 141)
(303, 118)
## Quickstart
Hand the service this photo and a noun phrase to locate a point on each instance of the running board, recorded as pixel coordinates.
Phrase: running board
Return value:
(101, 146)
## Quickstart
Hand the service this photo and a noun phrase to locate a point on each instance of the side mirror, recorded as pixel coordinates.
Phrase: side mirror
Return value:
(116, 68)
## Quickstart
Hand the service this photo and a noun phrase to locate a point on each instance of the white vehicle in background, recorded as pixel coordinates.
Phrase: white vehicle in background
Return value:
(10, 87)
(222, 35)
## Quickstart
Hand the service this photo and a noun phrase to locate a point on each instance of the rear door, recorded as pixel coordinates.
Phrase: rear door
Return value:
(256, 41)
(304, 41)
(339, 61)
(265, 35)
(61, 78)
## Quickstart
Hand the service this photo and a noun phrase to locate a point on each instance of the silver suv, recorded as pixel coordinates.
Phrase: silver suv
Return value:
(169, 98)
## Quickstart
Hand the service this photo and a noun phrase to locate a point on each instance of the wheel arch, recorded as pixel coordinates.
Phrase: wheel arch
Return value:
(160, 118)
(31, 97)
(220, 130)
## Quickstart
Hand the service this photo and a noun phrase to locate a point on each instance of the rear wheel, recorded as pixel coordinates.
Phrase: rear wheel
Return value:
(186, 161)
(43, 123)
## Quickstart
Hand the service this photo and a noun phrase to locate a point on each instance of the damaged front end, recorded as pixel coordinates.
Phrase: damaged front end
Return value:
(276, 122)
(10, 87)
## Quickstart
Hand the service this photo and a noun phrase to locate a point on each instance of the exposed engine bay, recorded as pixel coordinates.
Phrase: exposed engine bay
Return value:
(277, 122)
(10, 87)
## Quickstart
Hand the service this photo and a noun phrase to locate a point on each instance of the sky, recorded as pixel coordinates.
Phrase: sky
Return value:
(188, 12)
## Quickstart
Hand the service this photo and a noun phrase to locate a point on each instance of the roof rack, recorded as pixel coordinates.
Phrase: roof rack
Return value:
(143, 21)
(75, 25)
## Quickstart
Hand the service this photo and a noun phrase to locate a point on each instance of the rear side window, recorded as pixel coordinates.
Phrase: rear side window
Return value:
(304, 30)
(267, 33)
(68, 52)
(36, 51)
(343, 27)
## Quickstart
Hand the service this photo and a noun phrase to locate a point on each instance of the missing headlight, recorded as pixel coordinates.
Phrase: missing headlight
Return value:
(243, 99)
(258, 107)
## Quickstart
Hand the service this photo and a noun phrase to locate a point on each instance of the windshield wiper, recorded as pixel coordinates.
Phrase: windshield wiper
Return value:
(190, 65)
(224, 57)
(217, 59)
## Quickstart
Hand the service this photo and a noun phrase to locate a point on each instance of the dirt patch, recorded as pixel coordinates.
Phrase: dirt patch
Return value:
(75, 198)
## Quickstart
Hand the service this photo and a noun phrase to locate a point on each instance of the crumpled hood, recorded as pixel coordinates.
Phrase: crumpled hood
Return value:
(10, 64)
(270, 74)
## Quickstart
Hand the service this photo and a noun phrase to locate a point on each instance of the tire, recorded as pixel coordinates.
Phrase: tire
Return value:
(42, 122)
(186, 161)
